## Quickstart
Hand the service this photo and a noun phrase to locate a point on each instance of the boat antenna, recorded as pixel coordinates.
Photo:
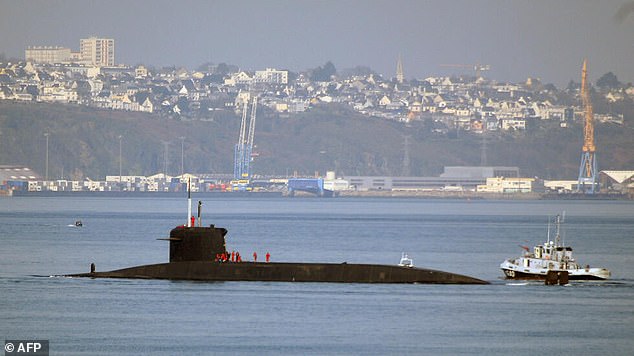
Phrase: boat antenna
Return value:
(548, 240)
(557, 237)
(189, 202)
(563, 220)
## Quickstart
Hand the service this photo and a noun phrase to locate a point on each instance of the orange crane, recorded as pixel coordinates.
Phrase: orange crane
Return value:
(588, 168)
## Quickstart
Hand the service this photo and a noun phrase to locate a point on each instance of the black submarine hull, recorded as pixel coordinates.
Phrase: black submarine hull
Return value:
(196, 254)
(286, 272)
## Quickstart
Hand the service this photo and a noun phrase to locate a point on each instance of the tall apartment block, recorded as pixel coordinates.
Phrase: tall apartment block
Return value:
(97, 51)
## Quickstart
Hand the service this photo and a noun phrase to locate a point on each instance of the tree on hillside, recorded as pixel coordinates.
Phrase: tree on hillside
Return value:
(217, 73)
(206, 67)
(550, 88)
(608, 81)
(292, 76)
(224, 68)
(323, 74)
(573, 86)
(183, 105)
(5, 59)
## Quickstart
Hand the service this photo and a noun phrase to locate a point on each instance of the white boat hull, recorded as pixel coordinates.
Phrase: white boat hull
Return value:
(513, 271)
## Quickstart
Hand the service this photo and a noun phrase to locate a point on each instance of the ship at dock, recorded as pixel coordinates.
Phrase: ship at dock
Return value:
(550, 257)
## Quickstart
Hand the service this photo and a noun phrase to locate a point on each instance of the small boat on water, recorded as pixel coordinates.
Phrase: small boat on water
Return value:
(550, 256)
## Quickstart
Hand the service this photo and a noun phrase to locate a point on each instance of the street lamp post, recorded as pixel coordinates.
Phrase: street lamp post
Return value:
(120, 162)
(166, 144)
(182, 155)
(46, 134)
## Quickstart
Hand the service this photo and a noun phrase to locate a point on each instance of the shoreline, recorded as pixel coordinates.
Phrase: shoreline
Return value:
(338, 195)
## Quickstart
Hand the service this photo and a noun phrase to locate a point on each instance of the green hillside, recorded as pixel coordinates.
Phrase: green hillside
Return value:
(84, 142)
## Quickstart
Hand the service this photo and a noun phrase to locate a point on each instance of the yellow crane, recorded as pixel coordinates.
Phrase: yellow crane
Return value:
(588, 168)
(588, 131)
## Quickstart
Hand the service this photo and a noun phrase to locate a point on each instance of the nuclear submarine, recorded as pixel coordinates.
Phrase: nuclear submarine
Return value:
(199, 253)
(194, 255)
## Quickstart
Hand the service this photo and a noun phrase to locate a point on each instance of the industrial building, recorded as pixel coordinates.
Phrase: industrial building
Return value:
(561, 186)
(480, 172)
(453, 178)
(330, 186)
(617, 181)
(16, 178)
(511, 185)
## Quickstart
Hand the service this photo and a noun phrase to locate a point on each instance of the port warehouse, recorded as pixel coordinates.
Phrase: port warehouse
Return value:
(453, 178)
(489, 179)
(483, 179)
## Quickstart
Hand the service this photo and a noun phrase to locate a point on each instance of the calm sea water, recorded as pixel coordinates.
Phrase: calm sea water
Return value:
(114, 317)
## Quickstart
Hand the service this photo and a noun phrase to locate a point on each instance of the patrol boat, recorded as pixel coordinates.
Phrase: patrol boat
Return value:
(550, 256)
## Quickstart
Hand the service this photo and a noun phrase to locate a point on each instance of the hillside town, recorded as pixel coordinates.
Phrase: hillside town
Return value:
(468, 102)
(473, 103)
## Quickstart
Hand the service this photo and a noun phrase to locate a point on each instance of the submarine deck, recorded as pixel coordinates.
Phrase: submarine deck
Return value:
(286, 272)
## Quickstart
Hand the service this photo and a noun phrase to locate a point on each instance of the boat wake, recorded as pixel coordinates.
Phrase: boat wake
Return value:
(576, 284)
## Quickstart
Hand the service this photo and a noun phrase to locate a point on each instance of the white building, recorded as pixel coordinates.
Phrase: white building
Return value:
(513, 124)
(334, 184)
(271, 76)
(140, 72)
(561, 185)
(97, 51)
(47, 54)
(239, 78)
(507, 185)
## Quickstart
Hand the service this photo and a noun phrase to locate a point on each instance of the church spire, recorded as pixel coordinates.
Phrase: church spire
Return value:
(399, 70)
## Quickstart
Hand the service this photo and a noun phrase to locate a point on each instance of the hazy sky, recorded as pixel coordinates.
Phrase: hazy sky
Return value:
(545, 39)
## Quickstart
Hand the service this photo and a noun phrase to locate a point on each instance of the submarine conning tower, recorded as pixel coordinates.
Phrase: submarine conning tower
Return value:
(196, 243)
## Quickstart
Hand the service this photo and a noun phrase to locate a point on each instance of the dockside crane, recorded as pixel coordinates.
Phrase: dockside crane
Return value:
(587, 182)
(244, 148)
